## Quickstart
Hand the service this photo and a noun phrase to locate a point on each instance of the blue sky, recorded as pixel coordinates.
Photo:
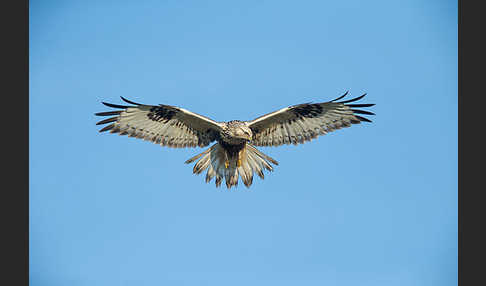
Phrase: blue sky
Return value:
(373, 204)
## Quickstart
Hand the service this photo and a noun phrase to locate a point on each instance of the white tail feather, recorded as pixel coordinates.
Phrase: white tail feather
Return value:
(221, 164)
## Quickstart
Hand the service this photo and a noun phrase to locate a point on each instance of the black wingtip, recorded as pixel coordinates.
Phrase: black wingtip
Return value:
(106, 128)
(108, 113)
(360, 105)
(358, 111)
(363, 119)
(129, 101)
(115, 105)
(353, 99)
(108, 120)
(346, 93)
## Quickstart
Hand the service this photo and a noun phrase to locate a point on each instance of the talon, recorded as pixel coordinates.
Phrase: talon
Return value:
(226, 164)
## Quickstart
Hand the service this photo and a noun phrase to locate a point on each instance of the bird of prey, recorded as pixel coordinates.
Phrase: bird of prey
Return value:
(234, 153)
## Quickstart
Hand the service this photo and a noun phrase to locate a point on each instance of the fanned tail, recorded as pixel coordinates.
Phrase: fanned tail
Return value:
(230, 165)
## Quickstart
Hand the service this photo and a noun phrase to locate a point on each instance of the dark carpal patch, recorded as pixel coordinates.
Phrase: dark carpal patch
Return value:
(159, 113)
(308, 110)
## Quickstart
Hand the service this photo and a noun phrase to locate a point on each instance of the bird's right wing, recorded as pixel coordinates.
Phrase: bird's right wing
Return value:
(162, 124)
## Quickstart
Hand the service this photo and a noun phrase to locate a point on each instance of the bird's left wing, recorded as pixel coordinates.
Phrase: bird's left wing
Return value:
(303, 122)
(162, 124)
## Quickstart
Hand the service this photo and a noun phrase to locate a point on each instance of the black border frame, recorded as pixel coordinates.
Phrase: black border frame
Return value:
(15, 184)
(470, 207)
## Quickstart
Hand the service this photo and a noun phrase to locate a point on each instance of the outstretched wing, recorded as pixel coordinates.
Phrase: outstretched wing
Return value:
(303, 122)
(163, 124)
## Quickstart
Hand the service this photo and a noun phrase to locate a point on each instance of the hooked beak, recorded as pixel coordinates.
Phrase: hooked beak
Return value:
(248, 136)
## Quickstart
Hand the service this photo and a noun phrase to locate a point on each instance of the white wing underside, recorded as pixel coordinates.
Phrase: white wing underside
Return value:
(300, 123)
(163, 124)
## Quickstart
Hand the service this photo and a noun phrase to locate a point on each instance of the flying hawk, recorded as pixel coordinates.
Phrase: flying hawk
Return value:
(234, 154)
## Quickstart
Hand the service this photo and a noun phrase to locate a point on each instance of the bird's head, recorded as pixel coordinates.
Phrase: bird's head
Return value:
(238, 131)
(243, 132)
